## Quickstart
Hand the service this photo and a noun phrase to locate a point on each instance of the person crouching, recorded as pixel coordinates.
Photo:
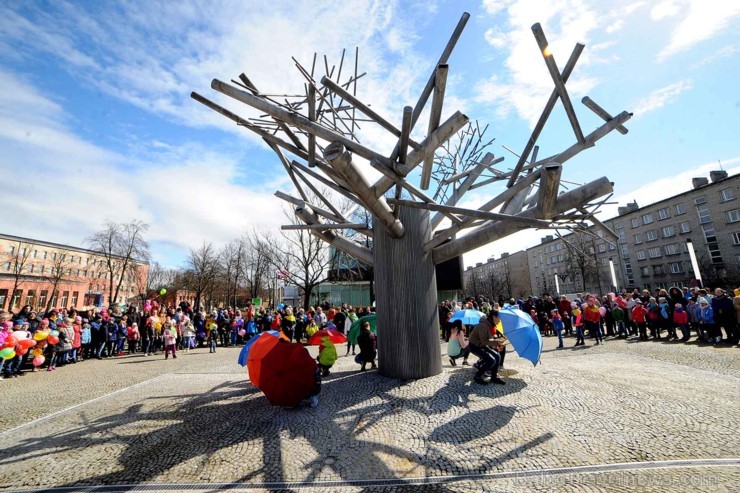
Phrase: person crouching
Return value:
(480, 344)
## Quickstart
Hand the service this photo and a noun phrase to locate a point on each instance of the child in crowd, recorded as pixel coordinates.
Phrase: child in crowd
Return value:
(578, 324)
(133, 336)
(212, 338)
(558, 326)
(681, 320)
(457, 347)
(170, 339)
(639, 314)
(327, 355)
(85, 340)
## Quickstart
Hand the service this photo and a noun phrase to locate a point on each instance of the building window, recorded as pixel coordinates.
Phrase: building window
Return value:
(663, 214)
(667, 231)
(733, 216)
(635, 222)
(685, 228)
(75, 295)
(30, 297)
(602, 248)
(6, 266)
(42, 298)
(651, 236)
(12, 250)
(641, 255)
(680, 209)
(65, 296)
(31, 268)
(654, 252)
(700, 200)
(704, 216)
(44, 255)
(15, 303)
(676, 268)
(726, 195)
(612, 246)
(647, 218)
(71, 259)
(3, 297)
(709, 233)
(658, 270)
(736, 238)
(33, 253)
(645, 271)
(638, 239)
(42, 269)
(672, 249)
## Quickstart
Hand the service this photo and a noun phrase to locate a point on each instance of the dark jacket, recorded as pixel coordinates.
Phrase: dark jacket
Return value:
(481, 334)
(97, 333)
(368, 344)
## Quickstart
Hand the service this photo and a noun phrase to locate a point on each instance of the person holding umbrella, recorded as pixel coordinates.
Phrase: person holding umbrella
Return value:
(480, 344)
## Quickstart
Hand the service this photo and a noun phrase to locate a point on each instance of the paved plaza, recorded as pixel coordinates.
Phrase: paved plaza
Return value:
(625, 416)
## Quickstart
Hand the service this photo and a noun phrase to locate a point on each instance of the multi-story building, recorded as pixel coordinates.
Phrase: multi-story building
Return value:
(508, 276)
(45, 274)
(652, 250)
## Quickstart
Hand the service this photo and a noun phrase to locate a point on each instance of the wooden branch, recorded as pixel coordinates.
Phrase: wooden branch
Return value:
(312, 118)
(341, 160)
(548, 192)
(366, 110)
(537, 223)
(427, 91)
(602, 113)
(324, 226)
(494, 231)
(361, 253)
(317, 209)
(552, 67)
(320, 195)
(298, 120)
(545, 115)
(337, 188)
(404, 138)
(435, 115)
(475, 171)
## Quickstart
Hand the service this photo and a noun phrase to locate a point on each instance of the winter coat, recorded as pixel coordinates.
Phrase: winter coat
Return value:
(693, 310)
(638, 314)
(327, 352)
(591, 313)
(367, 342)
(723, 308)
(481, 334)
(85, 336)
(97, 333)
(169, 338)
(66, 337)
(705, 315)
(680, 317)
(618, 314)
(77, 342)
(111, 331)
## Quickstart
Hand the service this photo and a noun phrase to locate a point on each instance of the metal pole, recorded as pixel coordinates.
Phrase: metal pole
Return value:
(694, 263)
(614, 275)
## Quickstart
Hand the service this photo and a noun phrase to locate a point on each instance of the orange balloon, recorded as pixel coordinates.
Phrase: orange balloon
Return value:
(10, 341)
(53, 339)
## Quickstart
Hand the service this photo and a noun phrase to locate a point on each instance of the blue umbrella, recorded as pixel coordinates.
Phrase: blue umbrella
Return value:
(468, 316)
(244, 353)
(522, 332)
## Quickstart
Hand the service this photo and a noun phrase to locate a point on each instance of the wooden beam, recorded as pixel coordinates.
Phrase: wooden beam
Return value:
(602, 113)
(299, 121)
(324, 226)
(545, 115)
(312, 118)
(435, 115)
(337, 188)
(404, 138)
(491, 216)
(366, 110)
(552, 67)
(361, 253)
(427, 91)
(495, 231)
(323, 212)
(548, 192)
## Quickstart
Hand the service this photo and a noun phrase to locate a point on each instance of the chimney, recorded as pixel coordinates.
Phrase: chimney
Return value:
(632, 206)
(716, 176)
(478, 264)
(491, 259)
(469, 267)
(699, 182)
(505, 254)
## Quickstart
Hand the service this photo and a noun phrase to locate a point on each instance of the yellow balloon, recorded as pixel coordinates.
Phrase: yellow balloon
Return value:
(38, 352)
(40, 335)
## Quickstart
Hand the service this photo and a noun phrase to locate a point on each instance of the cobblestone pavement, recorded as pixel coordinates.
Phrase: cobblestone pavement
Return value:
(196, 420)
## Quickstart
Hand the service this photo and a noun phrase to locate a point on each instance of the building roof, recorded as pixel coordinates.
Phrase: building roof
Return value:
(50, 244)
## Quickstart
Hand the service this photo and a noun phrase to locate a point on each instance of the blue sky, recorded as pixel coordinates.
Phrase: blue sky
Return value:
(96, 120)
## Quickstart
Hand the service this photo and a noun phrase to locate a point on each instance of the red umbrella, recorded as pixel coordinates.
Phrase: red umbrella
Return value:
(257, 352)
(334, 336)
(287, 374)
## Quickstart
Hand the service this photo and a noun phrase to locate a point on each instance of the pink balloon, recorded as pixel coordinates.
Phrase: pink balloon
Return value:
(602, 311)
(242, 332)
(38, 360)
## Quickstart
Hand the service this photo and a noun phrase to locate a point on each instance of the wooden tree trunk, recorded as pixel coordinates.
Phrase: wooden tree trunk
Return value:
(406, 299)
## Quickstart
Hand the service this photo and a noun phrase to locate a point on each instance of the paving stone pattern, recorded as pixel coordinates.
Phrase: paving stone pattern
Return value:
(198, 420)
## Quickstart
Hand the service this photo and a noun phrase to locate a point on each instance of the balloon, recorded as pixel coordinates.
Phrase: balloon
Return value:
(53, 339)
(38, 360)
(20, 334)
(281, 306)
(21, 352)
(242, 332)
(26, 343)
(40, 335)
(163, 291)
(10, 341)
(602, 311)
(55, 333)
(37, 352)
(7, 353)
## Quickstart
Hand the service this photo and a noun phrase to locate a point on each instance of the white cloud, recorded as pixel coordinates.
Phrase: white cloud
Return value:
(72, 186)
(660, 97)
(703, 21)
(663, 10)
(495, 6)
(726, 51)
(615, 26)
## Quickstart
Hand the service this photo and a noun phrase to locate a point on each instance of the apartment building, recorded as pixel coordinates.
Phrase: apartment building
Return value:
(508, 276)
(34, 267)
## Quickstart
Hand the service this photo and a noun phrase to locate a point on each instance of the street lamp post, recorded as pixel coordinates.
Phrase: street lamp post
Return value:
(557, 285)
(614, 275)
(694, 263)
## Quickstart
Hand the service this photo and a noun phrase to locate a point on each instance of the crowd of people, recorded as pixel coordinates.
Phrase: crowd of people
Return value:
(30, 341)
(710, 316)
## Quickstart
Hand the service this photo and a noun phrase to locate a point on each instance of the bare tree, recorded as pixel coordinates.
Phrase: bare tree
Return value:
(18, 265)
(256, 266)
(60, 271)
(232, 258)
(582, 263)
(121, 246)
(202, 271)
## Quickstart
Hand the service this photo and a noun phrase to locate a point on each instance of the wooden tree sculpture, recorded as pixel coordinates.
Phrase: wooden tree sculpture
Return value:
(320, 128)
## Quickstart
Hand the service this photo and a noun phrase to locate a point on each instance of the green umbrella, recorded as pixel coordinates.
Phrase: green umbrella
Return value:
(354, 329)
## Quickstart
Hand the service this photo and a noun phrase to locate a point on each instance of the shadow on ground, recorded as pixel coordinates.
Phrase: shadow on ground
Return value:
(229, 414)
